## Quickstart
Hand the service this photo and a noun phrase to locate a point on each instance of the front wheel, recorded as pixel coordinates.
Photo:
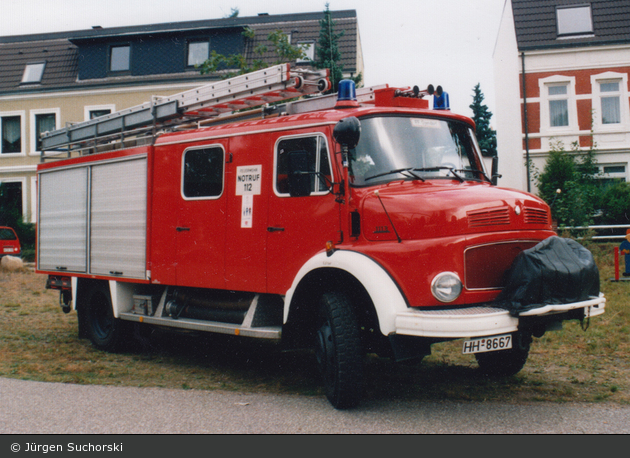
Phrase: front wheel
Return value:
(106, 332)
(506, 362)
(339, 352)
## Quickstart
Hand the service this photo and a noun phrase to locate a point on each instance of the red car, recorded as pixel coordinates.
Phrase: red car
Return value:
(9, 242)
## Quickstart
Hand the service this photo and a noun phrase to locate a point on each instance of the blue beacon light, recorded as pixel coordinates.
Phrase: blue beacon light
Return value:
(346, 95)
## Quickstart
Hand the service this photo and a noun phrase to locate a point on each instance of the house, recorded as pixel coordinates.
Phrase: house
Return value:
(561, 75)
(50, 80)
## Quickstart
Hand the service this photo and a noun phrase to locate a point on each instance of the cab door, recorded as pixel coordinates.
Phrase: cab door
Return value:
(200, 232)
(299, 227)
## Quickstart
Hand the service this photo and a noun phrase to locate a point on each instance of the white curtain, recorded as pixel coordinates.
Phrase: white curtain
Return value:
(611, 110)
(11, 134)
(559, 113)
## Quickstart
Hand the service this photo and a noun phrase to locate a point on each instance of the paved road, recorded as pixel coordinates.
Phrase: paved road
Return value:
(53, 408)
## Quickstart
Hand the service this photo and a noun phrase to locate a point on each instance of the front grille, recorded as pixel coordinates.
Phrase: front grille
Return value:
(536, 216)
(494, 217)
(487, 265)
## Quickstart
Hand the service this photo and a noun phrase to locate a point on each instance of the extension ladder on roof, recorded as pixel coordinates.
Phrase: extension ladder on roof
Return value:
(258, 88)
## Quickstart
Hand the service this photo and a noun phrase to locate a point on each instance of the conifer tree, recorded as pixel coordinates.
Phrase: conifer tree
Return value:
(327, 52)
(486, 137)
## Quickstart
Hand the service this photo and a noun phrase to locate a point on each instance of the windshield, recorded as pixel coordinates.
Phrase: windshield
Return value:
(397, 147)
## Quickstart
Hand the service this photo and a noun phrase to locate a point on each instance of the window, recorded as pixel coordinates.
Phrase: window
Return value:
(612, 173)
(611, 105)
(12, 195)
(119, 58)
(558, 105)
(318, 162)
(46, 122)
(99, 113)
(33, 73)
(95, 111)
(11, 127)
(198, 52)
(574, 20)
(203, 173)
(309, 49)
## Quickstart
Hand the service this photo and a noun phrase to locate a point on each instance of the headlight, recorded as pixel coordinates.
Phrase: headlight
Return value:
(446, 287)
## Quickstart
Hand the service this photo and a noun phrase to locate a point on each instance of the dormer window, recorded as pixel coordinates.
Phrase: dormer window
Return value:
(574, 20)
(33, 73)
(119, 58)
(198, 52)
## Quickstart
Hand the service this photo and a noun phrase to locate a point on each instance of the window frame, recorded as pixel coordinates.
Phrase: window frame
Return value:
(11, 114)
(564, 22)
(88, 109)
(188, 49)
(183, 172)
(40, 75)
(545, 99)
(111, 59)
(310, 52)
(320, 137)
(23, 193)
(622, 94)
(33, 123)
(613, 176)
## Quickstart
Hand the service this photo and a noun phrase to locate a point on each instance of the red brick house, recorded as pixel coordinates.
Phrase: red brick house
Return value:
(561, 70)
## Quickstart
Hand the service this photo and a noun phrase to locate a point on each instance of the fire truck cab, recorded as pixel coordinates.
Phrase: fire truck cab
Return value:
(362, 222)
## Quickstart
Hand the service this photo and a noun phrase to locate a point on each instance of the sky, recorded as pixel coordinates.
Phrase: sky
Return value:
(404, 42)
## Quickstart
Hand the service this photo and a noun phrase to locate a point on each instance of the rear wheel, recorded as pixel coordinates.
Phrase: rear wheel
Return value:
(506, 362)
(106, 332)
(339, 352)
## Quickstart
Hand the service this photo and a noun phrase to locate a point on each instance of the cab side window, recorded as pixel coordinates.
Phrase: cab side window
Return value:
(202, 173)
(316, 149)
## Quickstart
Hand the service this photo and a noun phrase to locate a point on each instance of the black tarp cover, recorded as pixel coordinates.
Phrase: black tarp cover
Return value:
(555, 271)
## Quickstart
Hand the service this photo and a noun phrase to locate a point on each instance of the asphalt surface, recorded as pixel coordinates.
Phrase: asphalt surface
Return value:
(28, 407)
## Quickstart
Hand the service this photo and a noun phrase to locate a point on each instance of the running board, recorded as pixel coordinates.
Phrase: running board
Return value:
(265, 332)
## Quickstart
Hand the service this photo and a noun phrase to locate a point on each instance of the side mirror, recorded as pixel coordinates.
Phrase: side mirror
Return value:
(495, 170)
(347, 132)
(299, 174)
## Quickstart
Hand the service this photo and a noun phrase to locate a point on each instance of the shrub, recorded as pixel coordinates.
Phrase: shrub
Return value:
(615, 204)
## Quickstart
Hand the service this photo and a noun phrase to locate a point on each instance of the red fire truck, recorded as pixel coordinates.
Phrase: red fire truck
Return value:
(363, 222)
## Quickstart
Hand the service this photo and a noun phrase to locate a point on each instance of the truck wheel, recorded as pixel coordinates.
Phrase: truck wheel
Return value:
(506, 362)
(339, 352)
(106, 332)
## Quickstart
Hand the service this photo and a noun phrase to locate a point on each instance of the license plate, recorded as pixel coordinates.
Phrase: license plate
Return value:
(485, 344)
(8, 249)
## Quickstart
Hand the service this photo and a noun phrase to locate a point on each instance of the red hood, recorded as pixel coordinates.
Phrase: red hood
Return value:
(422, 210)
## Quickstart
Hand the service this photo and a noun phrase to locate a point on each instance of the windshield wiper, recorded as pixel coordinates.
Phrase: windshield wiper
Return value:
(437, 169)
(404, 172)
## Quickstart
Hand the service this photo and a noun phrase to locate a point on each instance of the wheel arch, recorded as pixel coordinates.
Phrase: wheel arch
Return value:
(375, 296)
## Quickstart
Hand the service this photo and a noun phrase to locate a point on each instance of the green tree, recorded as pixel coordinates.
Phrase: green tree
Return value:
(285, 52)
(569, 184)
(328, 54)
(486, 137)
(616, 204)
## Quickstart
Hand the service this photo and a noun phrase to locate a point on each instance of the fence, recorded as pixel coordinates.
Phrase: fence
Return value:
(616, 232)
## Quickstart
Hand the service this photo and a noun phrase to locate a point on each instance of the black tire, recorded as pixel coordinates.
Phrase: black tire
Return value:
(506, 362)
(339, 352)
(106, 332)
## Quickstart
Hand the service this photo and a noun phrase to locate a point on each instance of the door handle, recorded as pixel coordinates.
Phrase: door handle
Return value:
(182, 229)
(275, 229)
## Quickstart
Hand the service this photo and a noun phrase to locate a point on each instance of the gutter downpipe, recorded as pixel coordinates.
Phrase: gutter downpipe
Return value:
(529, 188)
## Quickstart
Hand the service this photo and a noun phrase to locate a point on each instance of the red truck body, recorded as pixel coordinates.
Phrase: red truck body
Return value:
(374, 244)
